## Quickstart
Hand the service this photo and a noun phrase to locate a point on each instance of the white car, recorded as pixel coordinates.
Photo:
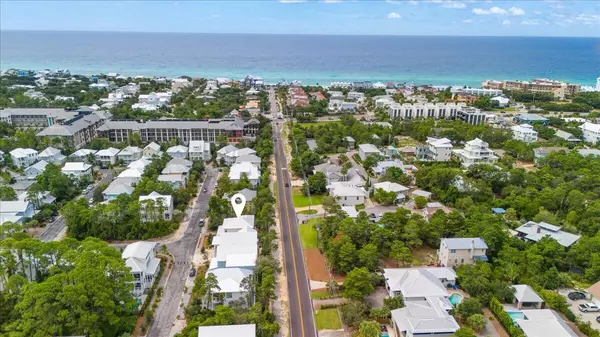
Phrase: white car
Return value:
(589, 307)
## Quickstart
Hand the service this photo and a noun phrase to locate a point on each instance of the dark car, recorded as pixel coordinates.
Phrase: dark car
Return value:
(576, 295)
(598, 319)
(192, 272)
(287, 184)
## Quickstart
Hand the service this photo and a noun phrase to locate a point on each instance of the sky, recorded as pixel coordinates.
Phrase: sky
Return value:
(355, 17)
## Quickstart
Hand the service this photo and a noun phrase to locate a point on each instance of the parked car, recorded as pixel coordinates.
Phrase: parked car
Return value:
(589, 307)
(598, 319)
(204, 190)
(192, 272)
(576, 295)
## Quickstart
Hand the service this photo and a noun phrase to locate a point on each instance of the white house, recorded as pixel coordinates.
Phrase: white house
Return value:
(178, 151)
(535, 231)
(176, 169)
(436, 149)
(476, 151)
(457, 251)
(82, 154)
(591, 132)
(107, 156)
(238, 169)
(77, 169)
(499, 102)
(524, 133)
(347, 195)
(36, 169)
(23, 157)
(236, 251)
(52, 155)
(544, 322)
(365, 150)
(131, 173)
(140, 257)
(163, 204)
(401, 191)
(382, 166)
(119, 186)
(130, 154)
(249, 158)
(151, 150)
(175, 180)
(238, 330)
(17, 209)
(232, 156)
(419, 283)
(140, 164)
(225, 150)
(354, 95)
(199, 150)
(424, 317)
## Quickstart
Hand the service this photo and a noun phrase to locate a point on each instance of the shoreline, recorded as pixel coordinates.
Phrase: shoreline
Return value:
(307, 77)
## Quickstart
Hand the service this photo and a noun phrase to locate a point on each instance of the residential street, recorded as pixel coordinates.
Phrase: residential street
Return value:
(52, 230)
(301, 312)
(183, 251)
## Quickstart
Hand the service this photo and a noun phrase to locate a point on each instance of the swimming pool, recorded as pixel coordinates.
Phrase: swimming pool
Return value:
(455, 298)
(515, 315)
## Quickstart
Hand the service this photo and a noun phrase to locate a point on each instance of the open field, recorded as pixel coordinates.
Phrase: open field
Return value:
(328, 319)
(301, 200)
(308, 234)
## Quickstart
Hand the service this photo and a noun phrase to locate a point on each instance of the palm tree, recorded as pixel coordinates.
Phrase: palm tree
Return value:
(210, 285)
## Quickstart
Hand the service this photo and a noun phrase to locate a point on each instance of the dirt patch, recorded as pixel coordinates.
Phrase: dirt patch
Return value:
(423, 256)
(528, 166)
(317, 266)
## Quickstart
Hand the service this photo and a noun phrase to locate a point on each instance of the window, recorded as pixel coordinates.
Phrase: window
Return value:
(462, 260)
(228, 295)
(452, 251)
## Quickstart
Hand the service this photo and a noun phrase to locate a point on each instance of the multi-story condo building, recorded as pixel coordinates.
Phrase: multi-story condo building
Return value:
(540, 85)
(427, 110)
(524, 133)
(457, 251)
(591, 132)
(471, 115)
(436, 150)
(76, 132)
(481, 92)
(476, 151)
(35, 118)
(234, 129)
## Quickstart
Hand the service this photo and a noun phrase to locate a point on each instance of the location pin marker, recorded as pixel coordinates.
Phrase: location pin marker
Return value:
(238, 202)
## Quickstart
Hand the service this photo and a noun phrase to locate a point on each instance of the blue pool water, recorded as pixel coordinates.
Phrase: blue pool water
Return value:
(455, 298)
(516, 315)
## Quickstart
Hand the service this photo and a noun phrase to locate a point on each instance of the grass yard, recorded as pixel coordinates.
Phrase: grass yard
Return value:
(317, 295)
(308, 234)
(300, 200)
(308, 211)
(328, 319)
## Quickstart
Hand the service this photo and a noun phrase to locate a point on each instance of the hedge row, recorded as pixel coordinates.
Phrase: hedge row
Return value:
(504, 319)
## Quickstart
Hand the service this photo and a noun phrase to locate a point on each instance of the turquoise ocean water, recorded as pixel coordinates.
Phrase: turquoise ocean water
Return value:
(308, 58)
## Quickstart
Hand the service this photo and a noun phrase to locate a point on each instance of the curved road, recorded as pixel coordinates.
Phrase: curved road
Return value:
(302, 322)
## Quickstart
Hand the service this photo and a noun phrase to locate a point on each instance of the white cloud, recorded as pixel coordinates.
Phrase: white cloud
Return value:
(291, 1)
(506, 22)
(559, 6)
(534, 22)
(332, 1)
(452, 4)
(558, 15)
(516, 11)
(467, 21)
(394, 15)
(588, 19)
(537, 12)
(493, 10)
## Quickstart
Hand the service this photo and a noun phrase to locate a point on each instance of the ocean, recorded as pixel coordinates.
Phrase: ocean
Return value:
(437, 60)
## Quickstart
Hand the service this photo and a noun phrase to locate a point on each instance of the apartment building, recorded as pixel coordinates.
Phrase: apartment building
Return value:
(591, 132)
(524, 133)
(425, 110)
(540, 85)
(184, 130)
(457, 251)
(471, 115)
(77, 131)
(35, 117)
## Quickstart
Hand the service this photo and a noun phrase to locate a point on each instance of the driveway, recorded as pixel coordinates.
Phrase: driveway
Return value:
(585, 316)
(376, 297)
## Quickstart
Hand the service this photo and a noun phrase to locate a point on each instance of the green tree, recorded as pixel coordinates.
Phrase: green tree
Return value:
(317, 184)
(401, 253)
(357, 284)
(369, 329)
(368, 256)
(420, 202)
(7, 193)
(385, 198)
(354, 312)
(465, 332)
(477, 322)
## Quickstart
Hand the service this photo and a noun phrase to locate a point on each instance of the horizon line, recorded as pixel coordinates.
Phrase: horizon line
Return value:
(283, 34)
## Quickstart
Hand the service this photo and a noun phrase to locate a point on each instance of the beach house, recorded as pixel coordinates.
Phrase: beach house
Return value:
(524, 133)
(141, 259)
(155, 207)
(457, 251)
(23, 157)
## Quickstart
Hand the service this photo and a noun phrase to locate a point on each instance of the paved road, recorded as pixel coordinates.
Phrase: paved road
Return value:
(53, 229)
(183, 251)
(301, 312)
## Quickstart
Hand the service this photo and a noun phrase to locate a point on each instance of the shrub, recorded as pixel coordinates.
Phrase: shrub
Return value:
(504, 319)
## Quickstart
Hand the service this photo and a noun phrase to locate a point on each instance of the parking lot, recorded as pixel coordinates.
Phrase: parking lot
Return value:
(586, 316)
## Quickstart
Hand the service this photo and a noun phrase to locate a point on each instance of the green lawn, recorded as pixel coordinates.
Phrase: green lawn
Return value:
(328, 319)
(300, 200)
(308, 211)
(317, 295)
(308, 234)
